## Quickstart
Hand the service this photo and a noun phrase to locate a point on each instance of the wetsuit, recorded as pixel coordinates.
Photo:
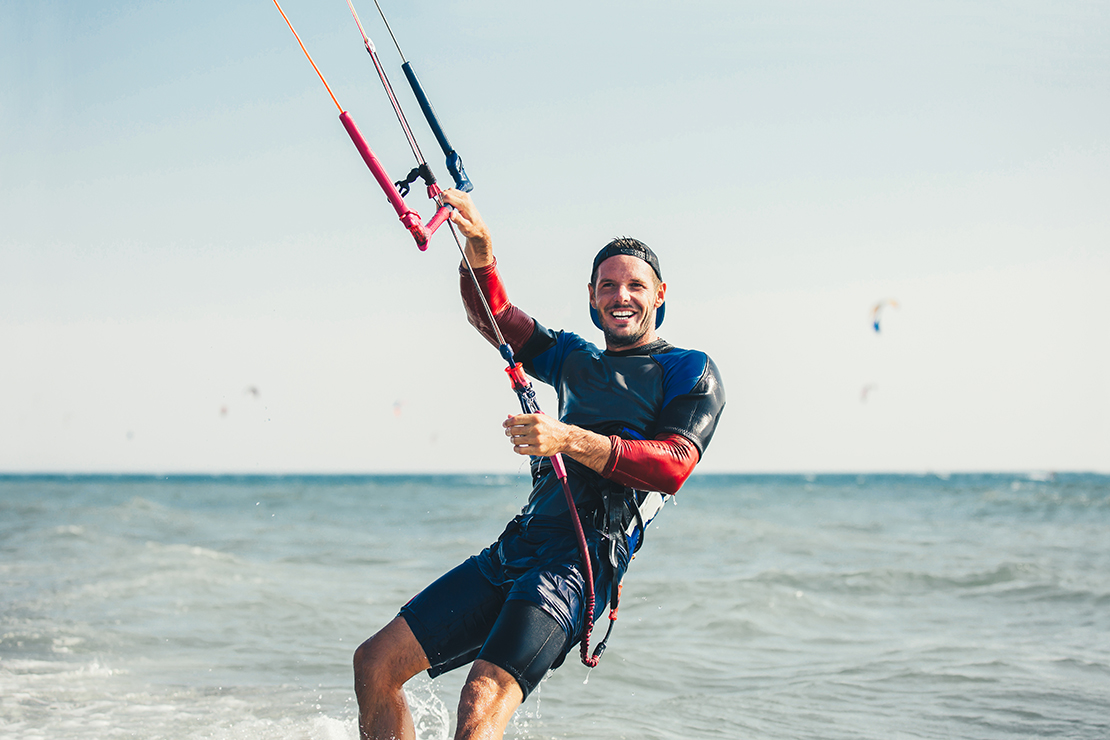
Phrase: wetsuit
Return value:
(519, 604)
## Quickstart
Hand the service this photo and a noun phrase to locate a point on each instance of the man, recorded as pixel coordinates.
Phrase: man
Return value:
(635, 417)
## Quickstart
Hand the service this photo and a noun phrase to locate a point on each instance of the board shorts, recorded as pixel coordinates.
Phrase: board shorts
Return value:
(519, 604)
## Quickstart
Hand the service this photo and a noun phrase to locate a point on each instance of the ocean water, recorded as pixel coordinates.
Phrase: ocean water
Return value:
(968, 606)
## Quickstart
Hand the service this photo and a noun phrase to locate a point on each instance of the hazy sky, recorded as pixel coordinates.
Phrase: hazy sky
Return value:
(198, 274)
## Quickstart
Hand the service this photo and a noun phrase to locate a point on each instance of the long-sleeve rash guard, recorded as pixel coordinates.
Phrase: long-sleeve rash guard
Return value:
(658, 404)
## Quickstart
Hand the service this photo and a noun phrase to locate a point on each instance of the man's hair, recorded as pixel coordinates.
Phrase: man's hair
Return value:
(632, 247)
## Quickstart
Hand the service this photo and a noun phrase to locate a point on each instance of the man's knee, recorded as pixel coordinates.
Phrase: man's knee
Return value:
(389, 658)
(489, 698)
(368, 659)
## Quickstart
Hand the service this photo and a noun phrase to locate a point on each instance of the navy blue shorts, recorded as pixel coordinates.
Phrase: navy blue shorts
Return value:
(461, 617)
(519, 605)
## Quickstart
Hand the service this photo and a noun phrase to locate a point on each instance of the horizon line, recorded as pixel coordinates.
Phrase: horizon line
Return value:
(1031, 473)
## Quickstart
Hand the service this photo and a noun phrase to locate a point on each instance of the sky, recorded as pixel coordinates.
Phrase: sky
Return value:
(199, 275)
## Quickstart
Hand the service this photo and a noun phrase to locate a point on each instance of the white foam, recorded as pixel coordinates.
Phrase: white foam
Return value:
(430, 716)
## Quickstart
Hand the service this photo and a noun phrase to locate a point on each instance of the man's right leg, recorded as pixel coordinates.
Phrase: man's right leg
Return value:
(382, 666)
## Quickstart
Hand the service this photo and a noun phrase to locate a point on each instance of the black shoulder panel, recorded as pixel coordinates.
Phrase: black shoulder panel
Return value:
(694, 415)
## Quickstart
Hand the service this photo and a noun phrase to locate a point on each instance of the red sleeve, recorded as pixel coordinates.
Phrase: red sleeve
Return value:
(661, 464)
(516, 326)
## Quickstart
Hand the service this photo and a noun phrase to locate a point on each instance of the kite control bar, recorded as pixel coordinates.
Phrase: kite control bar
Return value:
(410, 218)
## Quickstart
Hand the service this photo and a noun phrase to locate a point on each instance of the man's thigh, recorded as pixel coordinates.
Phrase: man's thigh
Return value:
(452, 617)
(526, 642)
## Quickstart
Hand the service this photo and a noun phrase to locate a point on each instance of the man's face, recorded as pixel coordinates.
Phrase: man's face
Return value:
(626, 294)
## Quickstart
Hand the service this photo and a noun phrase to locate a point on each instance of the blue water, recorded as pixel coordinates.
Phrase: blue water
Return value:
(970, 606)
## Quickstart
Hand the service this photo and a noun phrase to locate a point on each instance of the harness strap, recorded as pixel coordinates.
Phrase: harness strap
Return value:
(637, 521)
(614, 515)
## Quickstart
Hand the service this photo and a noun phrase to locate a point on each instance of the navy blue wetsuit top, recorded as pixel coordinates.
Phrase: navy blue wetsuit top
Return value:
(635, 394)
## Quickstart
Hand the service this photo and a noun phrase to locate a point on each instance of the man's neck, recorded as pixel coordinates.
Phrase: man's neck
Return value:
(640, 348)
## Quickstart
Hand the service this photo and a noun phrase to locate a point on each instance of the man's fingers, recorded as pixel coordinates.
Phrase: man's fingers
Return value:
(527, 433)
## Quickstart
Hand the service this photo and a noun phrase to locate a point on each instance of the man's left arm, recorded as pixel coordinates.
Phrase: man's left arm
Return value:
(692, 406)
(686, 425)
(662, 464)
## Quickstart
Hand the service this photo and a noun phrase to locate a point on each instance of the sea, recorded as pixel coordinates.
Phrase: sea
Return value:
(760, 606)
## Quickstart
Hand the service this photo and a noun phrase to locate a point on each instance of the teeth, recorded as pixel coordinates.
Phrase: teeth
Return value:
(622, 314)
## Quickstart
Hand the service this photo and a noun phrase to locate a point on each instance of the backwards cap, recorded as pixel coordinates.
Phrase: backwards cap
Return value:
(632, 248)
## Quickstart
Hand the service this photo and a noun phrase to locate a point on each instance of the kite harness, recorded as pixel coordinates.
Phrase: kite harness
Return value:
(421, 233)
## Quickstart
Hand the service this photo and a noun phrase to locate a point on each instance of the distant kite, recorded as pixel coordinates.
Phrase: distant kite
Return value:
(250, 390)
(877, 311)
(865, 391)
(397, 406)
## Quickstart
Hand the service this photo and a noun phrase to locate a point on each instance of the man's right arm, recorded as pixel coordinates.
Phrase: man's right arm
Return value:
(479, 244)
(516, 326)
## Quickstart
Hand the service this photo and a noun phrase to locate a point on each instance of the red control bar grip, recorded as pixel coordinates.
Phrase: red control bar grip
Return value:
(409, 217)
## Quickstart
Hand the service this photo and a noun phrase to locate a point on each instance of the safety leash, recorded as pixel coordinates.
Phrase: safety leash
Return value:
(530, 405)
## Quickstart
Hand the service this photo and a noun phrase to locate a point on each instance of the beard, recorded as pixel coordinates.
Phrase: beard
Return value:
(622, 341)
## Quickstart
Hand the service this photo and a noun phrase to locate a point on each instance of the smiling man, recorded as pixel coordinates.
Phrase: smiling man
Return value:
(634, 420)
(626, 293)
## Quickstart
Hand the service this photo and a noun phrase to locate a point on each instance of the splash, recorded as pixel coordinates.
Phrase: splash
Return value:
(429, 714)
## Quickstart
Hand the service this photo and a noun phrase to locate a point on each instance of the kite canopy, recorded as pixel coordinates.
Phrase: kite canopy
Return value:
(877, 312)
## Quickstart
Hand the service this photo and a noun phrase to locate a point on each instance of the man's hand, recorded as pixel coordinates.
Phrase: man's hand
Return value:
(541, 435)
(479, 245)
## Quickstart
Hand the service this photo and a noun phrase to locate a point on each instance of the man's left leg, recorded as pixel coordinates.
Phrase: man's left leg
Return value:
(523, 645)
(488, 701)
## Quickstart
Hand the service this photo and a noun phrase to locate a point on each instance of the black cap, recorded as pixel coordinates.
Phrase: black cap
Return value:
(629, 246)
